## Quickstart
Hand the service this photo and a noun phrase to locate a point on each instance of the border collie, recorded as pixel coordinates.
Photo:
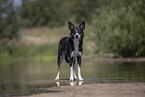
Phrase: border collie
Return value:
(71, 49)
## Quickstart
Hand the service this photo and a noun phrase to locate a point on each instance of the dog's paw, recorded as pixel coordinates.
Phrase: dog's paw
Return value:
(81, 79)
(57, 78)
(71, 79)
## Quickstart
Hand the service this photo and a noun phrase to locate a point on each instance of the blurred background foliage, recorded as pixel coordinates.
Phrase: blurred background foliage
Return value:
(120, 28)
(113, 26)
(9, 22)
(56, 12)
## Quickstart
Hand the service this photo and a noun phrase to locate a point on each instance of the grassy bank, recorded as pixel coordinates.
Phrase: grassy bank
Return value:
(19, 49)
(41, 43)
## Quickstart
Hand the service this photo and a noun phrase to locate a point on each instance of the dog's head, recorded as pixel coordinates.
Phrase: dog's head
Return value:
(76, 32)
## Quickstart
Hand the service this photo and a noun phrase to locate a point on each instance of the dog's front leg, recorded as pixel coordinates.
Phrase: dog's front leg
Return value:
(71, 69)
(79, 67)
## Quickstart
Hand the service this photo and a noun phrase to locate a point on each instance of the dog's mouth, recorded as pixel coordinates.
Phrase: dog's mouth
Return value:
(76, 37)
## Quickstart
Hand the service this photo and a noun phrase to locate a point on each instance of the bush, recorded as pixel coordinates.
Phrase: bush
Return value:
(120, 29)
(13, 48)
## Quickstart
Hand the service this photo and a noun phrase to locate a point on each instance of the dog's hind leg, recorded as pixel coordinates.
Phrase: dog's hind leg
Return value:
(58, 72)
(60, 57)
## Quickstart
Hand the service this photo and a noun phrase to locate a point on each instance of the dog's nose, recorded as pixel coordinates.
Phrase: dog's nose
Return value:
(77, 36)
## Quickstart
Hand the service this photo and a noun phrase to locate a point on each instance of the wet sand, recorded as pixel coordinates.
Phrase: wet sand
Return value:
(96, 90)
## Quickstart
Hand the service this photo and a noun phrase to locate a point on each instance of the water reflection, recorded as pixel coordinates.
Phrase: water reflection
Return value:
(26, 77)
(72, 83)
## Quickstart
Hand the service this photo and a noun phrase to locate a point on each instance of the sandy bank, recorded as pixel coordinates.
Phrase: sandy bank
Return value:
(97, 90)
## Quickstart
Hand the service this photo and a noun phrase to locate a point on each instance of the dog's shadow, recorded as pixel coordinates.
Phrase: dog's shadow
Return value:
(72, 83)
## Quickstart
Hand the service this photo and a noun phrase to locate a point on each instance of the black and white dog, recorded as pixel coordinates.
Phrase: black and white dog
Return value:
(71, 49)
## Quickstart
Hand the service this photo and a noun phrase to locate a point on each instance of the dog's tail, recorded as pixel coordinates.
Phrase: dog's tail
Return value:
(66, 58)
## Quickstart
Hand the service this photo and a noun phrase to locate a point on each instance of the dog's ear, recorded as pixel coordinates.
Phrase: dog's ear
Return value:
(70, 25)
(82, 25)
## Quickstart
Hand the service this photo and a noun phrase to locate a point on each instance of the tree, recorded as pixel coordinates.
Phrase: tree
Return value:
(9, 22)
(43, 12)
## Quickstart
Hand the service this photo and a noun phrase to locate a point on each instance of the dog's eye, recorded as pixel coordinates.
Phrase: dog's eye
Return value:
(74, 32)
(80, 33)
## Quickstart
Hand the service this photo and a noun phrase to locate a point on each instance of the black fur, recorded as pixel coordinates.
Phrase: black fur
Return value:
(64, 49)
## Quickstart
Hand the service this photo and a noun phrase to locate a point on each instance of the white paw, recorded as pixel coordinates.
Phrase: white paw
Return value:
(71, 79)
(57, 78)
(80, 78)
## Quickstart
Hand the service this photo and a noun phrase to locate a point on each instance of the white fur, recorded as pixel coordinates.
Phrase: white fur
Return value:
(71, 73)
(76, 52)
(77, 35)
(79, 73)
(76, 44)
(57, 77)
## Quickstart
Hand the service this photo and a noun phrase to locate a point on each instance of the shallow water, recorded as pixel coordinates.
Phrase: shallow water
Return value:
(26, 77)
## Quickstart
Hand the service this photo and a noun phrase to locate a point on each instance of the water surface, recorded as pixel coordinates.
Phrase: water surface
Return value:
(26, 77)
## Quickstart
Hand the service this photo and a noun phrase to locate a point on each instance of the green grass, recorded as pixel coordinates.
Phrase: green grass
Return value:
(43, 51)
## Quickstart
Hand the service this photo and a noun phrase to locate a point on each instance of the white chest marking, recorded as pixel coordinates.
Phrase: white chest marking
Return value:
(76, 52)
(76, 44)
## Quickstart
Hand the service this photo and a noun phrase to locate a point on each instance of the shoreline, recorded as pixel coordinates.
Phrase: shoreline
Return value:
(111, 59)
(85, 58)
(96, 89)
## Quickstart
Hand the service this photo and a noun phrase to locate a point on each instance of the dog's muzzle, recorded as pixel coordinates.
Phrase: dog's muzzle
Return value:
(77, 35)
